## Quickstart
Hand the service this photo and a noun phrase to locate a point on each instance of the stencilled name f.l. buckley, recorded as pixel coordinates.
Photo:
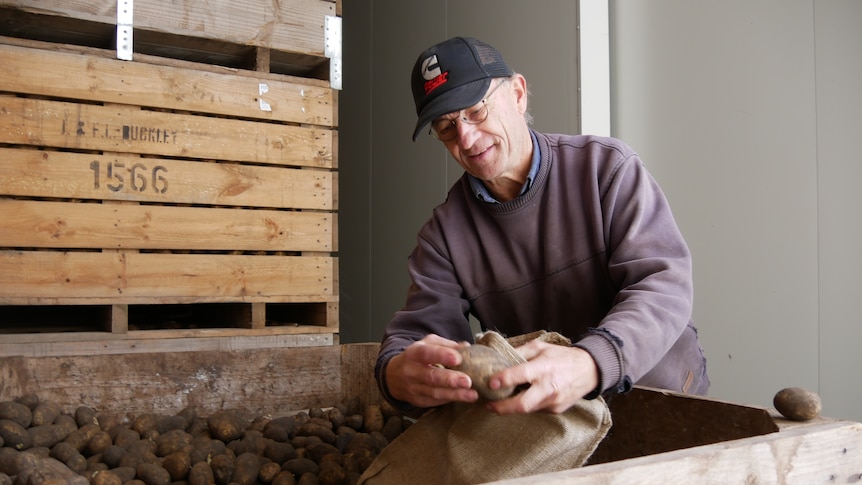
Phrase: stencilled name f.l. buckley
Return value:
(131, 133)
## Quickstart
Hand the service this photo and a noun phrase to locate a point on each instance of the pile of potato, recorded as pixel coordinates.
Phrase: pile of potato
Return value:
(39, 444)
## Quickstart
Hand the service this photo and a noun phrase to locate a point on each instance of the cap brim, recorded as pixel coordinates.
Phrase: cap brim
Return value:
(457, 99)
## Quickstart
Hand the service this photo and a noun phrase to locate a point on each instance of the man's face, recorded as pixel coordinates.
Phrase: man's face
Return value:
(499, 146)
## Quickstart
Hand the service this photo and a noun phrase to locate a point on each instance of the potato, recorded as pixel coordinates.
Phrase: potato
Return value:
(355, 421)
(279, 452)
(373, 418)
(201, 474)
(204, 448)
(85, 415)
(30, 400)
(145, 423)
(17, 412)
(45, 413)
(99, 442)
(152, 474)
(331, 473)
(246, 469)
(300, 466)
(178, 465)
(65, 452)
(308, 479)
(268, 472)
(797, 403)
(106, 478)
(48, 434)
(316, 429)
(480, 362)
(15, 435)
(283, 478)
(126, 474)
(124, 437)
(392, 428)
(81, 436)
(171, 423)
(225, 426)
(112, 455)
(66, 422)
(172, 442)
(223, 467)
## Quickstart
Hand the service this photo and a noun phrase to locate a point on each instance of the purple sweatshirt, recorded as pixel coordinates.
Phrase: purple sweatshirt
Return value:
(590, 250)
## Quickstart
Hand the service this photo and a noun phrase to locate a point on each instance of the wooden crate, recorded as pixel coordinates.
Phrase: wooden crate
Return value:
(286, 37)
(170, 196)
(658, 437)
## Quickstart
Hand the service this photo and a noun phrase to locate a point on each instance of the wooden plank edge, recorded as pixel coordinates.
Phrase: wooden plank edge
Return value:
(162, 61)
(817, 453)
(92, 343)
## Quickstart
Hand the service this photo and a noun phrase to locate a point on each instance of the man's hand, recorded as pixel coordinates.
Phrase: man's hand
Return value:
(414, 375)
(559, 376)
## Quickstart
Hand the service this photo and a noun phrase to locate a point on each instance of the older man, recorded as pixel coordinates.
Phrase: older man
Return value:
(542, 232)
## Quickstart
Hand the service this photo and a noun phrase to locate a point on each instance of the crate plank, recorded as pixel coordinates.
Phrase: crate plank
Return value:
(40, 224)
(43, 72)
(67, 175)
(824, 451)
(260, 380)
(290, 25)
(39, 122)
(54, 277)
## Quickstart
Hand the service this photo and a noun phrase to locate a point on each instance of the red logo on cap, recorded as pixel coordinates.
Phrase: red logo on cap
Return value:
(436, 82)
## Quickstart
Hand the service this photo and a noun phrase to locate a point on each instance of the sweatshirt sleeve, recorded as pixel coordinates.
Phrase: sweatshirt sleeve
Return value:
(650, 263)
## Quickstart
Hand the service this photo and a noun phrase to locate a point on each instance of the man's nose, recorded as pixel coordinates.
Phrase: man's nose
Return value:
(467, 133)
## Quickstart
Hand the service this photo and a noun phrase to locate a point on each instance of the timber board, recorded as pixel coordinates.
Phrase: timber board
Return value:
(103, 79)
(127, 129)
(223, 33)
(87, 278)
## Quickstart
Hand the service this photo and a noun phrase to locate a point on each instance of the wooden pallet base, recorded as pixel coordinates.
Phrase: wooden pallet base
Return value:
(74, 324)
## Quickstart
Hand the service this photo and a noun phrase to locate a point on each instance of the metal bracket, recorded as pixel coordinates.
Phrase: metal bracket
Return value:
(332, 49)
(125, 29)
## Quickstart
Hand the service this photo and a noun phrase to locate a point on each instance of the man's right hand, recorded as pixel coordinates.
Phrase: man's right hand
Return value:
(418, 376)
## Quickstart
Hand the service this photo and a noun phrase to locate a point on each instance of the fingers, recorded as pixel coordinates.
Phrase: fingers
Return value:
(433, 350)
(557, 376)
(418, 376)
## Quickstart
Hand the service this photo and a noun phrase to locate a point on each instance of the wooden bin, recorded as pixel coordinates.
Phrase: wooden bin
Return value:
(190, 192)
(657, 437)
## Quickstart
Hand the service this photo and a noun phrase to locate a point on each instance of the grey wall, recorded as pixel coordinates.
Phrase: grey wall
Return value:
(388, 183)
(744, 111)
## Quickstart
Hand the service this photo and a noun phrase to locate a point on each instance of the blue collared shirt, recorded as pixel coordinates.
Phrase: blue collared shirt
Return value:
(483, 194)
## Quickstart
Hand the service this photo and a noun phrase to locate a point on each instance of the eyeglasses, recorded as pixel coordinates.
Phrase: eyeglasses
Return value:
(444, 129)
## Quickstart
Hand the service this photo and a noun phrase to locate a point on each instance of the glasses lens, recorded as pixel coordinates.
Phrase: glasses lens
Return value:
(444, 130)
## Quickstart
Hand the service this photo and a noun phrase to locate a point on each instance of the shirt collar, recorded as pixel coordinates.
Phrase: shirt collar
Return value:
(484, 195)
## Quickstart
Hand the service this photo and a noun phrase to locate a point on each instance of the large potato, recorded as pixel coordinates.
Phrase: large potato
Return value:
(797, 403)
(480, 362)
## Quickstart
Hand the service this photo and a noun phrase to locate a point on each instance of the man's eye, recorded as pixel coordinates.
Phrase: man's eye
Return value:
(476, 113)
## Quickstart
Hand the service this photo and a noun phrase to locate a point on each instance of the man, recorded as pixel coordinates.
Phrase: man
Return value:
(562, 233)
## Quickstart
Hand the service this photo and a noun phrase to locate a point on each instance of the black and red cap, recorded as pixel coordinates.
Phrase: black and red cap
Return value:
(453, 75)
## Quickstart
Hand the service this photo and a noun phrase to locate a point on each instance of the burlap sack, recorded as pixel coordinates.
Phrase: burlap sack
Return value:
(462, 443)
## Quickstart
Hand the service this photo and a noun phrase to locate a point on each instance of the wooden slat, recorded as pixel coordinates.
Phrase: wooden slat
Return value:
(64, 75)
(39, 224)
(258, 380)
(107, 53)
(357, 373)
(37, 173)
(288, 25)
(90, 127)
(93, 278)
(818, 452)
(138, 342)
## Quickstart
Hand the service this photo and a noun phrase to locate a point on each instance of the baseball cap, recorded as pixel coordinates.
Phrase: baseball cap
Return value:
(453, 75)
